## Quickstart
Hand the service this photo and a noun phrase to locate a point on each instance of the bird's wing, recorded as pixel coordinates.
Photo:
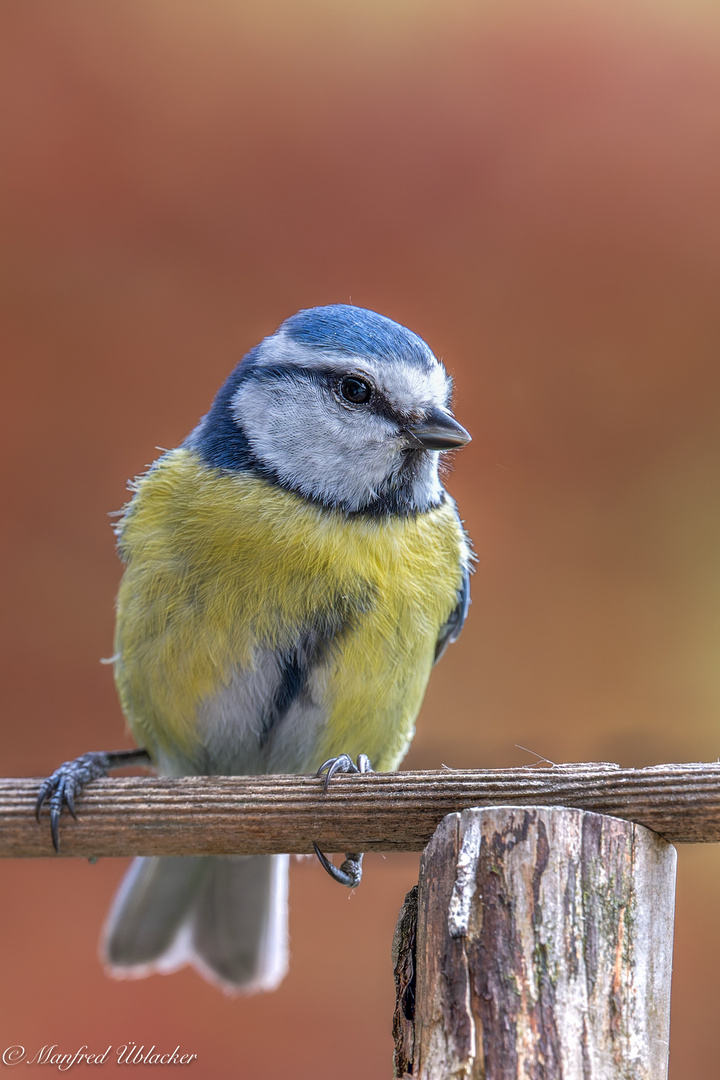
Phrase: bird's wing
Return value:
(450, 630)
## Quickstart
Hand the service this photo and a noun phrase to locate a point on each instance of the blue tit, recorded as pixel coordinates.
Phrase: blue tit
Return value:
(292, 572)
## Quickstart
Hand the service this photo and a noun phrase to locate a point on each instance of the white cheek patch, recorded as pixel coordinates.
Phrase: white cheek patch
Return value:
(312, 443)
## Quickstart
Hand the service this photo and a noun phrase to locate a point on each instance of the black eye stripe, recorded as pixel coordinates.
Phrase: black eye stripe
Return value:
(356, 391)
(326, 377)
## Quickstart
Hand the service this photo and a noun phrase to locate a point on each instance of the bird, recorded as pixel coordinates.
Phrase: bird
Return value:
(293, 570)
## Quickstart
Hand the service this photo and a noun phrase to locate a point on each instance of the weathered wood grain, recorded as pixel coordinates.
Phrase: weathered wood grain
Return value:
(403, 958)
(543, 949)
(375, 812)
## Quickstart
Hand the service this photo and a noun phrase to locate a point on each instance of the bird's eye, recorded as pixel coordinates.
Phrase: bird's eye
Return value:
(355, 390)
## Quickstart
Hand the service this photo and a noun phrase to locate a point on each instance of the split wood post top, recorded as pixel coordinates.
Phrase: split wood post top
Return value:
(543, 949)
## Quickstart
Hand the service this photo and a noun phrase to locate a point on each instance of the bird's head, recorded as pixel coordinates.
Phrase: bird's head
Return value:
(341, 405)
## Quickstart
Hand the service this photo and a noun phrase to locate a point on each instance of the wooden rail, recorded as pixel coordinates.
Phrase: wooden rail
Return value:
(379, 812)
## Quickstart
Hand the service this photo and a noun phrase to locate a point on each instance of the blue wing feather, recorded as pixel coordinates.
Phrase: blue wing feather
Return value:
(450, 631)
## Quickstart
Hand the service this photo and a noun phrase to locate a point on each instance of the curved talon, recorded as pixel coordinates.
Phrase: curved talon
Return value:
(55, 827)
(333, 766)
(349, 873)
(343, 764)
(45, 789)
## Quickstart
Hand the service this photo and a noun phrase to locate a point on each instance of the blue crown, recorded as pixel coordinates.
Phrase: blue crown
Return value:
(344, 328)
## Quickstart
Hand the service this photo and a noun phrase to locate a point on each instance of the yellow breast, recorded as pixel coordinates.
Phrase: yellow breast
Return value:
(221, 565)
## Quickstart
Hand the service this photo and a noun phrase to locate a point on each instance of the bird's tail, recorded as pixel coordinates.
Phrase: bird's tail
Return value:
(227, 916)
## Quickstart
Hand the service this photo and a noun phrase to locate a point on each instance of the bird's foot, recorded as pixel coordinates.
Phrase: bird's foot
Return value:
(70, 778)
(343, 764)
(350, 872)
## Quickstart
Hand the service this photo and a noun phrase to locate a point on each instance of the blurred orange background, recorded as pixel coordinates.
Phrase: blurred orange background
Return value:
(535, 190)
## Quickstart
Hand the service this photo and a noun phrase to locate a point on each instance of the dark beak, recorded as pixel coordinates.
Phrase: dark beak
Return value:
(438, 431)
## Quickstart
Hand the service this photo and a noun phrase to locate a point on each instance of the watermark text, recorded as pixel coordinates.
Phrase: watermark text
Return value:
(129, 1053)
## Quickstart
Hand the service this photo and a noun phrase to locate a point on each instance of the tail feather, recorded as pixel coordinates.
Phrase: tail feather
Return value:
(149, 908)
(225, 916)
(239, 928)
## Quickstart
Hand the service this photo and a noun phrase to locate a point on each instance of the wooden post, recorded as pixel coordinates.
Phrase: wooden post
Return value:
(542, 950)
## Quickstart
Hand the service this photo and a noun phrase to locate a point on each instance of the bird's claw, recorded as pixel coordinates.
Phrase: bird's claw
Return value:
(343, 764)
(66, 782)
(350, 872)
(69, 780)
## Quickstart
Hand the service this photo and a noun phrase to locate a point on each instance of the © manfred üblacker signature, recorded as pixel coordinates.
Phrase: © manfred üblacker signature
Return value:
(126, 1054)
